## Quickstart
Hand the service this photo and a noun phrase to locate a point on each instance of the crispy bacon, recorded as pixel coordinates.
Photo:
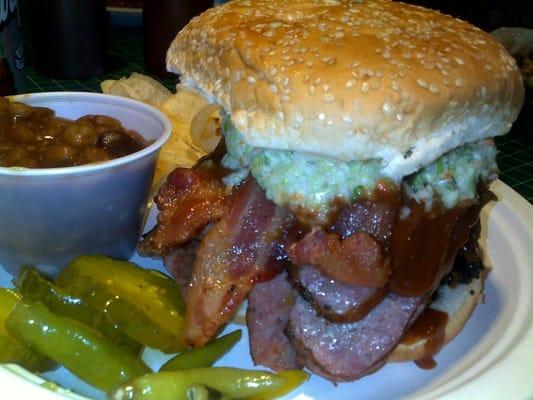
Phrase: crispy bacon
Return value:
(188, 201)
(356, 260)
(237, 252)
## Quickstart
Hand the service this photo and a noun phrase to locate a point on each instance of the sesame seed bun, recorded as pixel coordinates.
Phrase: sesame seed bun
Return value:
(351, 80)
(459, 303)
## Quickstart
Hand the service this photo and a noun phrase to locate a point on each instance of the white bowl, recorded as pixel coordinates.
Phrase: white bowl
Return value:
(50, 215)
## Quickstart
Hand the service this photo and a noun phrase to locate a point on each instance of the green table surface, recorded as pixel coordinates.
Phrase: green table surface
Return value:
(126, 52)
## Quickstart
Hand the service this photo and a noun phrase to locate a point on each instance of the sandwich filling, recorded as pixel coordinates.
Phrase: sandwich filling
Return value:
(315, 183)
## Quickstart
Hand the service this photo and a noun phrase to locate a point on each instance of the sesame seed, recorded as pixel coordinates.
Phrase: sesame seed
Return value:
(459, 61)
(273, 88)
(296, 125)
(281, 115)
(251, 80)
(365, 87)
(347, 119)
(311, 90)
(434, 89)
(485, 108)
(329, 98)
(236, 76)
(350, 83)
(321, 116)
(459, 82)
(326, 88)
(422, 83)
(386, 107)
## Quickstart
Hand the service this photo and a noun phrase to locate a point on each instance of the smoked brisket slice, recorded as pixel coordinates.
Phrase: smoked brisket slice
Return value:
(348, 351)
(335, 301)
(269, 304)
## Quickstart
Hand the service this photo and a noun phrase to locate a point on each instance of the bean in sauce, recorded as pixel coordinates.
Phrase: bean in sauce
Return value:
(33, 137)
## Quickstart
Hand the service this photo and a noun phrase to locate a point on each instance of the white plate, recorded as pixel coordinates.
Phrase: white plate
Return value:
(492, 358)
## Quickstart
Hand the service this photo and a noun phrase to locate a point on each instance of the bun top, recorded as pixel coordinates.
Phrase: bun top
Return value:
(351, 80)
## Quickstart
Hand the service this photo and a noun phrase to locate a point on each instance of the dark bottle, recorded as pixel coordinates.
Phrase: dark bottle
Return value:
(69, 37)
(12, 75)
(162, 20)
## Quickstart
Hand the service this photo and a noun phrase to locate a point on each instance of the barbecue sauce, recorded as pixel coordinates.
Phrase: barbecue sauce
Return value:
(425, 244)
(419, 248)
(431, 327)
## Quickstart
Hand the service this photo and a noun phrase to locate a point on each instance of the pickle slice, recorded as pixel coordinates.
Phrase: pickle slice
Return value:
(145, 305)
(12, 350)
(34, 286)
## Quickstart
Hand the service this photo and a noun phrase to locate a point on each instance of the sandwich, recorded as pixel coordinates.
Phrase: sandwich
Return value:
(343, 200)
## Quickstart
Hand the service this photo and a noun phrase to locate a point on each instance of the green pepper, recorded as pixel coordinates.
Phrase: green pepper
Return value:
(197, 392)
(145, 305)
(83, 351)
(34, 286)
(12, 350)
(204, 356)
(233, 382)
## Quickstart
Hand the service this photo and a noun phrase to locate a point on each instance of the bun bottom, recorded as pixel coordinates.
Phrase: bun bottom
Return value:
(458, 303)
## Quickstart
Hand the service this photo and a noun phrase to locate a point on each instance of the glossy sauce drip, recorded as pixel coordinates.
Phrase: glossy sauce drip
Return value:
(431, 327)
(426, 363)
(422, 252)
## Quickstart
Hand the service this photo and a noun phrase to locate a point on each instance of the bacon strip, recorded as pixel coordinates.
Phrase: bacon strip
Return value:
(188, 201)
(237, 252)
(356, 260)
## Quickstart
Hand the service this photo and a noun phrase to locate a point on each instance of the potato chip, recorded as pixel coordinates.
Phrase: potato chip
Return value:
(148, 89)
(106, 85)
(205, 128)
(187, 107)
(119, 88)
(184, 105)
(138, 87)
